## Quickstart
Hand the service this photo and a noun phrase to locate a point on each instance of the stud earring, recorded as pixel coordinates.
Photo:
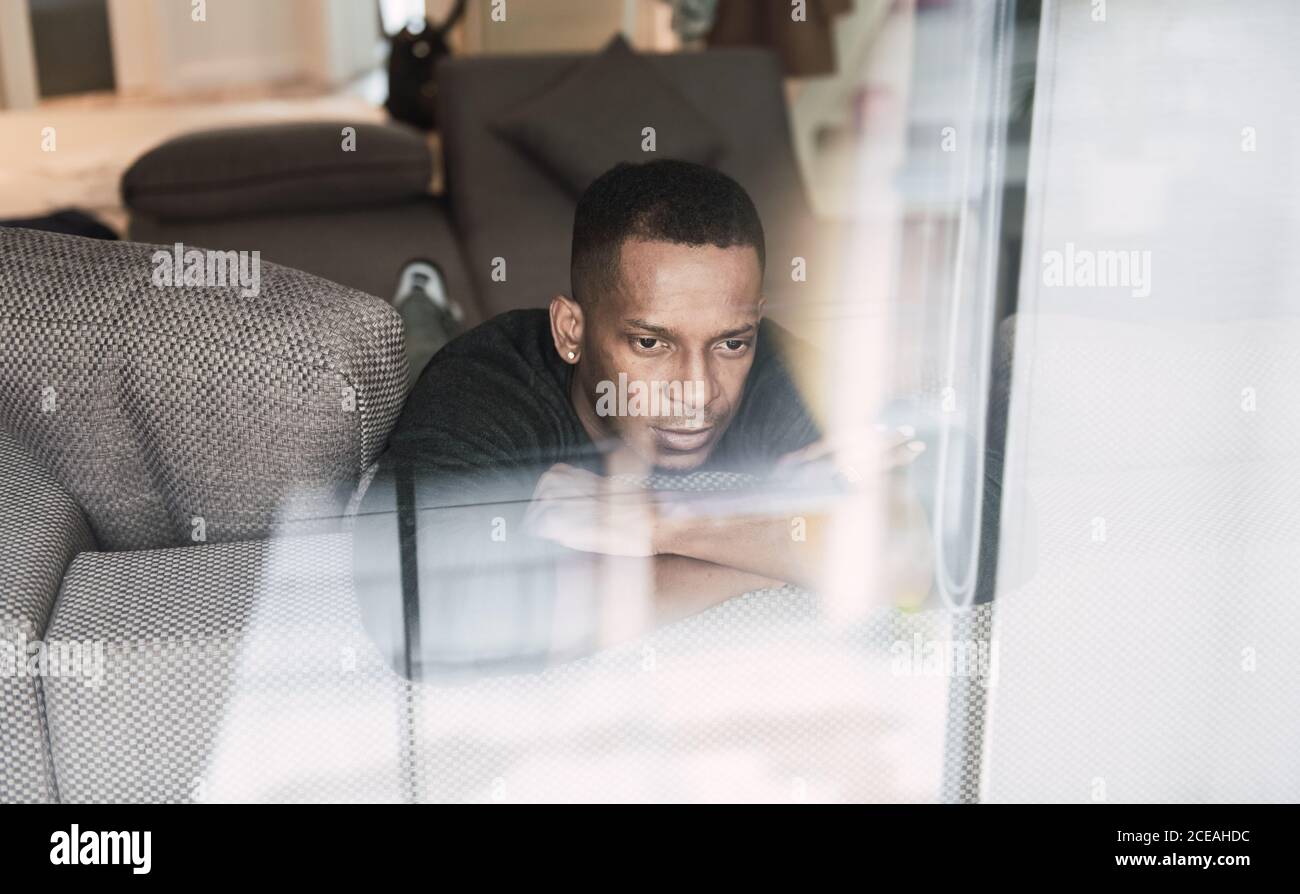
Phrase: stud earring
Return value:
(572, 356)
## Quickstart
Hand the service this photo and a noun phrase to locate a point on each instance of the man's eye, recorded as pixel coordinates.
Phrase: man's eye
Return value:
(736, 344)
(647, 342)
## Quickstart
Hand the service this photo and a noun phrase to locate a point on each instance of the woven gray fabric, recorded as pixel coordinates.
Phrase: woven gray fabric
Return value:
(761, 698)
(272, 692)
(963, 749)
(233, 672)
(41, 529)
(694, 481)
(156, 406)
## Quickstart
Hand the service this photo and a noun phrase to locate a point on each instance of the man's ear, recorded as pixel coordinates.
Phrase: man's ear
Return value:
(566, 327)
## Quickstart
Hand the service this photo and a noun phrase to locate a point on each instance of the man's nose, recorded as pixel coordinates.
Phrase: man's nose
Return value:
(698, 385)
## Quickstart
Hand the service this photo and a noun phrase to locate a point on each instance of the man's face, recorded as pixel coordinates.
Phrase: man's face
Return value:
(681, 329)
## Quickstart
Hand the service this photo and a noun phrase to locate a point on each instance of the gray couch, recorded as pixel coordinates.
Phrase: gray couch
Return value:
(156, 444)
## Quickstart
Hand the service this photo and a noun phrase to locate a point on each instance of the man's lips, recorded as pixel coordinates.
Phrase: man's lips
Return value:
(683, 440)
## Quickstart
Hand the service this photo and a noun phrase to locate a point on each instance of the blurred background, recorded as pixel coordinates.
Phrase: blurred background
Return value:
(135, 72)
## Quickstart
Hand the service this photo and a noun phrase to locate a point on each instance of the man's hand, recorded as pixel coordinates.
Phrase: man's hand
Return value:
(590, 513)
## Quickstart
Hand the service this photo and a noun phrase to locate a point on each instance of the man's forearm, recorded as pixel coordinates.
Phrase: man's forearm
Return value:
(787, 549)
(636, 595)
(685, 586)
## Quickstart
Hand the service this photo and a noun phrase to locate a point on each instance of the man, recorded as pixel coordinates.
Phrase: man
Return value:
(520, 452)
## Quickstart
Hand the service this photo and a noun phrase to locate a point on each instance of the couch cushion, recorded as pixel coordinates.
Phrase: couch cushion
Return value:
(593, 117)
(156, 407)
(231, 672)
(279, 167)
(41, 530)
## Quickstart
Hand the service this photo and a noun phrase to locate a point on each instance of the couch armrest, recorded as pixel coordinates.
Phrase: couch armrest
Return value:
(41, 530)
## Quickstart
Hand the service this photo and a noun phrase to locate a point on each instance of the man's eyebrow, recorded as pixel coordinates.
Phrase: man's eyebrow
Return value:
(732, 333)
(665, 331)
(649, 327)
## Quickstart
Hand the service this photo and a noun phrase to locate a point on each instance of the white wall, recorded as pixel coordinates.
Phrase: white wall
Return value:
(565, 25)
(159, 49)
(350, 40)
(18, 87)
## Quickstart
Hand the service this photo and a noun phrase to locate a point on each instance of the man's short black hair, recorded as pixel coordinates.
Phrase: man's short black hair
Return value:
(668, 201)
